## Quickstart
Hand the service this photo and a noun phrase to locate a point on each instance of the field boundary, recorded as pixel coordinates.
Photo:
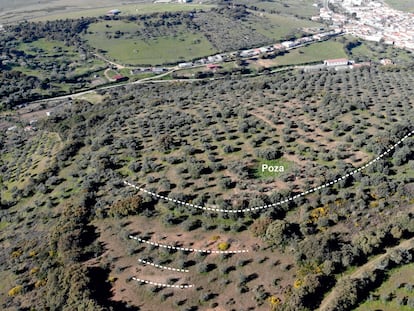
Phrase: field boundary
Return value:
(185, 249)
(162, 284)
(161, 267)
(250, 209)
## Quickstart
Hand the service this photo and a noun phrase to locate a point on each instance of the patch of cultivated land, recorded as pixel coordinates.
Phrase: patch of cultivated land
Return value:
(134, 47)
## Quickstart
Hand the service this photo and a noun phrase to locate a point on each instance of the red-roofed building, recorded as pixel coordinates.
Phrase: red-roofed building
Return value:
(213, 66)
(119, 78)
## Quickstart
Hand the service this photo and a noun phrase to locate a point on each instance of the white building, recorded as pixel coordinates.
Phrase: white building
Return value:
(185, 65)
(336, 62)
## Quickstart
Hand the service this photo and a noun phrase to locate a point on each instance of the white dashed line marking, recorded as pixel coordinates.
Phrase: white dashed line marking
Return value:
(162, 284)
(212, 209)
(162, 267)
(188, 249)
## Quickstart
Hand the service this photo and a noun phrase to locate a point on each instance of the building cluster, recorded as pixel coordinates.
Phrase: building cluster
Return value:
(337, 64)
(156, 70)
(374, 21)
(30, 127)
(264, 50)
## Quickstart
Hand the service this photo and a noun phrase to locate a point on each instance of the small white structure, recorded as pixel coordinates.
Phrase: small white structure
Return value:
(336, 62)
(288, 44)
(386, 61)
(185, 65)
(113, 12)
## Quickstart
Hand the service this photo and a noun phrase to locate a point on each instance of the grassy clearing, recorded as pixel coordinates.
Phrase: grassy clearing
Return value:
(93, 98)
(48, 48)
(302, 8)
(312, 53)
(129, 9)
(132, 50)
(50, 53)
(316, 52)
(375, 52)
(277, 27)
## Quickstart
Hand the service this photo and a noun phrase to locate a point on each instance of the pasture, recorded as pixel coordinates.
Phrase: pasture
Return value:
(134, 49)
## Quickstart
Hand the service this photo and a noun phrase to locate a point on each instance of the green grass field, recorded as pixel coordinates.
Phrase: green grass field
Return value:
(371, 51)
(402, 5)
(312, 53)
(276, 26)
(129, 50)
(128, 9)
(303, 8)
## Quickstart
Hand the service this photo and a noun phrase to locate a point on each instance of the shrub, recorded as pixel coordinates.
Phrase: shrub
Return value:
(298, 283)
(34, 270)
(16, 254)
(269, 154)
(15, 290)
(40, 283)
(129, 206)
(223, 246)
(111, 279)
(259, 226)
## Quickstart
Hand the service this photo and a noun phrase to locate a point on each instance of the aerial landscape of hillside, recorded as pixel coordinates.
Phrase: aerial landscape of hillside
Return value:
(216, 155)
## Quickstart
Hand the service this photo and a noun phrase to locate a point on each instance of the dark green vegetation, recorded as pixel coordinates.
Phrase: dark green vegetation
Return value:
(66, 215)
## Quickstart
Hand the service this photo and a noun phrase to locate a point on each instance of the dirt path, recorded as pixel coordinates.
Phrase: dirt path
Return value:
(107, 75)
(358, 273)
